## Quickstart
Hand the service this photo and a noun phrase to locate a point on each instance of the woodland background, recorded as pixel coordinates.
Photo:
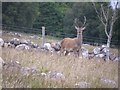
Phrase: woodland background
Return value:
(58, 18)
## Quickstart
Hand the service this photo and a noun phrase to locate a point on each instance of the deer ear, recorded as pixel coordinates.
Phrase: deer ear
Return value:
(83, 28)
(76, 27)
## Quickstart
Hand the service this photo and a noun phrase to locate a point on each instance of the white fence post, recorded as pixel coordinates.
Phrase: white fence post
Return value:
(43, 35)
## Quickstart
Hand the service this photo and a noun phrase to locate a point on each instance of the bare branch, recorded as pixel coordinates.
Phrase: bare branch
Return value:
(98, 13)
(114, 14)
(116, 5)
(103, 11)
(84, 20)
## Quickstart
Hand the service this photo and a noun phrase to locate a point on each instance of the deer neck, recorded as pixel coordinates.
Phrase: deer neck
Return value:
(79, 37)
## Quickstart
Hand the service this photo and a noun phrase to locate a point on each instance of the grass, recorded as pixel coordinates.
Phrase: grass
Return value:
(75, 69)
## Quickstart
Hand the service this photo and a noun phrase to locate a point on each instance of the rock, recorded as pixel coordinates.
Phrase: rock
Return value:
(17, 34)
(27, 71)
(43, 74)
(56, 46)
(54, 75)
(12, 66)
(84, 52)
(23, 41)
(96, 50)
(15, 41)
(90, 55)
(82, 85)
(102, 55)
(86, 45)
(117, 58)
(47, 46)
(2, 62)
(33, 45)
(104, 50)
(5, 45)
(22, 47)
(108, 82)
(1, 42)
(112, 57)
(11, 45)
(34, 36)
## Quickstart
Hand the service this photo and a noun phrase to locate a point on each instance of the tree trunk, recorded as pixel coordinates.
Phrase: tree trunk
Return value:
(110, 37)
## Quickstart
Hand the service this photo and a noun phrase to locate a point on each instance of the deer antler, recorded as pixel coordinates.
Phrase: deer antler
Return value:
(84, 21)
(76, 22)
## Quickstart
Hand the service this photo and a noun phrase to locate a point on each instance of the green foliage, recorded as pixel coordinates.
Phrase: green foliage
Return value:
(57, 17)
(19, 14)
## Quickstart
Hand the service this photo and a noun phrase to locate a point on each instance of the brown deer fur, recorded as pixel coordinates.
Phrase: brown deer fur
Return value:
(70, 44)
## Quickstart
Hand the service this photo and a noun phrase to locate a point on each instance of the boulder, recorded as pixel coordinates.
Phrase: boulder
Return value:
(56, 46)
(33, 45)
(15, 41)
(54, 75)
(84, 52)
(1, 42)
(28, 70)
(34, 36)
(24, 41)
(17, 34)
(96, 50)
(5, 45)
(82, 84)
(109, 82)
(22, 47)
(112, 57)
(2, 62)
(48, 47)
(117, 58)
(12, 66)
(11, 45)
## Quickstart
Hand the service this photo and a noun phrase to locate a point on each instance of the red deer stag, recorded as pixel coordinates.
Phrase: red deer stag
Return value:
(74, 44)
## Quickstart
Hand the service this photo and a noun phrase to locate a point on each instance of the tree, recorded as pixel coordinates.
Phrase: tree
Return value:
(19, 13)
(108, 17)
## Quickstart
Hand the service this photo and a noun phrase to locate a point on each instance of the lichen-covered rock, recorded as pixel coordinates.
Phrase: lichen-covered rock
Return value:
(54, 75)
(22, 47)
(1, 42)
(82, 84)
(15, 41)
(105, 81)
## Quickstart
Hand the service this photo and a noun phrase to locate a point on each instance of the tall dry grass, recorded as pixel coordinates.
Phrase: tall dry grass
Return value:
(74, 69)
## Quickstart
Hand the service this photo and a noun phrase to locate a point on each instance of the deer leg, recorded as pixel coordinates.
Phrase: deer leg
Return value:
(80, 53)
(61, 51)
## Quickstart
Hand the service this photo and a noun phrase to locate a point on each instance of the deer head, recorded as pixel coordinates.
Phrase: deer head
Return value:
(79, 26)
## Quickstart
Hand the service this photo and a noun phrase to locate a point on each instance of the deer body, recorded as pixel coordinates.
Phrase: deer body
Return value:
(70, 44)
(73, 44)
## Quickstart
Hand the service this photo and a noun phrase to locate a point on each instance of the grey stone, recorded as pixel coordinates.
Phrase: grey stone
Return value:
(54, 75)
(17, 34)
(28, 70)
(23, 41)
(108, 82)
(15, 41)
(34, 36)
(82, 84)
(84, 52)
(56, 46)
(96, 50)
(22, 47)
(1, 42)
